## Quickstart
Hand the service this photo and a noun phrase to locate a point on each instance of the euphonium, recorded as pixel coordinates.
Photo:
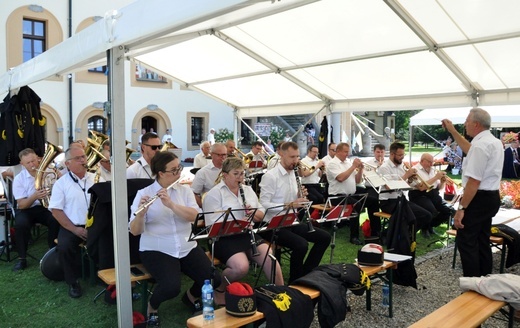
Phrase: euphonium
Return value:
(167, 145)
(41, 181)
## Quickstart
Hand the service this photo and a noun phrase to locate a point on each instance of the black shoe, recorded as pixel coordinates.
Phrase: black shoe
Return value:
(355, 241)
(22, 264)
(153, 320)
(75, 290)
(425, 234)
(195, 306)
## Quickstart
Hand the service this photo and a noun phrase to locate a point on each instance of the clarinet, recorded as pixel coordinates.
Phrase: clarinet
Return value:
(251, 233)
(301, 195)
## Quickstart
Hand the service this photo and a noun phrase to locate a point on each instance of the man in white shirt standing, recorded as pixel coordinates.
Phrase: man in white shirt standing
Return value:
(279, 187)
(205, 178)
(481, 175)
(151, 144)
(204, 157)
(211, 136)
(167, 137)
(311, 177)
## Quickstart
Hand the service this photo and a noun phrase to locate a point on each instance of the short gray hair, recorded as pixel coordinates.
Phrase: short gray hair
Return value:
(481, 116)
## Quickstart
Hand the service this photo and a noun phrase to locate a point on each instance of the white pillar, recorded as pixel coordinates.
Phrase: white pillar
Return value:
(335, 122)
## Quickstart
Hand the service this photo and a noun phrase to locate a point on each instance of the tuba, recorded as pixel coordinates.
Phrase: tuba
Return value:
(44, 179)
(167, 145)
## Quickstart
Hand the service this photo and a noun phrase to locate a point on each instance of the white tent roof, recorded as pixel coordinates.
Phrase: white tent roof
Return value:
(501, 116)
(294, 56)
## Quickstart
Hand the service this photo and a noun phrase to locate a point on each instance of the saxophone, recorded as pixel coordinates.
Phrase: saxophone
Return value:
(42, 177)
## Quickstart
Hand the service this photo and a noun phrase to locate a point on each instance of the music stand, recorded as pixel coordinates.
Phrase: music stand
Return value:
(285, 216)
(226, 225)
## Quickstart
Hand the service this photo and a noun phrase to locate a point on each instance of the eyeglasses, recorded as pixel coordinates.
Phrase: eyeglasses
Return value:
(154, 147)
(332, 149)
(176, 170)
(221, 155)
(78, 158)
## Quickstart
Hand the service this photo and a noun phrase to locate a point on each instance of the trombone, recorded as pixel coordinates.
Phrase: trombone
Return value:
(417, 178)
(247, 158)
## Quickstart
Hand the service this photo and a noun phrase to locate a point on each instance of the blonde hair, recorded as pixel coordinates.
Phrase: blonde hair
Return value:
(230, 163)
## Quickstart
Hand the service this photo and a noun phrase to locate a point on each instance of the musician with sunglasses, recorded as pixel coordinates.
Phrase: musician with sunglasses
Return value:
(151, 144)
(165, 226)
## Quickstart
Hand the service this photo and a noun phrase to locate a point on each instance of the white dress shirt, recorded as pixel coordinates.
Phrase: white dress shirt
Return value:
(167, 137)
(221, 198)
(205, 179)
(335, 168)
(326, 160)
(139, 170)
(278, 187)
(425, 175)
(70, 194)
(481, 162)
(164, 231)
(315, 176)
(391, 172)
(200, 160)
(23, 186)
(273, 162)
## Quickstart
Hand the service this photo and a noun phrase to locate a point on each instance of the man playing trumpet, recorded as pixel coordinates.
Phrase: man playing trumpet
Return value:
(431, 200)
(311, 174)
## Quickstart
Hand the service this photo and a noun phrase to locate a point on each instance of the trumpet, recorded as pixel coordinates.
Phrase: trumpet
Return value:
(417, 178)
(304, 166)
(245, 157)
(156, 196)
(450, 181)
(369, 167)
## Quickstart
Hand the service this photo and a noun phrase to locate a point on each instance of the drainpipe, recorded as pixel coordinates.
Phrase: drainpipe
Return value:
(69, 76)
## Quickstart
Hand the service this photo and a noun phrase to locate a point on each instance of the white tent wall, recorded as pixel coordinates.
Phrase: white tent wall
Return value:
(501, 116)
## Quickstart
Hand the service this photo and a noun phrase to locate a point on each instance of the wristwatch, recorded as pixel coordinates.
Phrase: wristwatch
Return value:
(461, 208)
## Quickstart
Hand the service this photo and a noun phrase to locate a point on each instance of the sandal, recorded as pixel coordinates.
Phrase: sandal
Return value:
(153, 320)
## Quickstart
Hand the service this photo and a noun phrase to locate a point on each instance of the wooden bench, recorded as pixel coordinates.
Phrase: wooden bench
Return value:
(467, 310)
(222, 319)
(497, 242)
(109, 277)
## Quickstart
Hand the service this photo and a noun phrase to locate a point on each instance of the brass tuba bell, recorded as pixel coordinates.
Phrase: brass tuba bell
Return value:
(167, 145)
(43, 178)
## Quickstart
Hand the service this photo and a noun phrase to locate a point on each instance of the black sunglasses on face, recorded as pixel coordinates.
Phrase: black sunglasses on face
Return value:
(154, 147)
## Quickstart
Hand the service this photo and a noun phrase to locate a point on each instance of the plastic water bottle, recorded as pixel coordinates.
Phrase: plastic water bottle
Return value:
(386, 295)
(208, 311)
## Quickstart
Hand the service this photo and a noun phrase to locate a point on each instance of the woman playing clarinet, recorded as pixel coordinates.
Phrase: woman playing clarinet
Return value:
(237, 250)
(164, 226)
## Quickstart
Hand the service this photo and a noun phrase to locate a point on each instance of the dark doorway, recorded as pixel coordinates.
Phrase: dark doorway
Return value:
(148, 123)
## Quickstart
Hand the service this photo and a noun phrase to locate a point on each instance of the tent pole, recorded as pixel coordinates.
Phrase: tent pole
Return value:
(410, 142)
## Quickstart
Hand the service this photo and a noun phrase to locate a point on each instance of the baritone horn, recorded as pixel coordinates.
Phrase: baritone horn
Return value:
(43, 178)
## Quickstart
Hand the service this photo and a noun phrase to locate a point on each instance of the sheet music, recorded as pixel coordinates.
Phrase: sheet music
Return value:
(392, 257)
(374, 179)
(397, 185)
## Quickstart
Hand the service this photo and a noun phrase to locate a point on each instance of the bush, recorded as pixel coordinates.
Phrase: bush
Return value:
(223, 135)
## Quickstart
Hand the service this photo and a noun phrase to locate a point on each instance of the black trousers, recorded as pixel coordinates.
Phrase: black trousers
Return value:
(297, 239)
(473, 239)
(167, 270)
(25, 219)
(423, 217)
(316, 193)
(69, 254)
(433, 203)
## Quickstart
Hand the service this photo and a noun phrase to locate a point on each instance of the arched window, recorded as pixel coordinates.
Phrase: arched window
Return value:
(98, 124)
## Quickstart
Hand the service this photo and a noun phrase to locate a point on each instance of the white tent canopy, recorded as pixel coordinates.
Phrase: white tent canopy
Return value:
(501, 116)
(294, 56)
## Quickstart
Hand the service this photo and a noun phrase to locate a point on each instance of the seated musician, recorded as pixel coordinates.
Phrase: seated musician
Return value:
(104, 170)
(204, 157)
(372, 200)
(388, 201)
(432, 200)
(280, 187)
(69, 205)
(205, 178)
(150, 145)
(236, 250)
(29, 206)
(231, 147)
(257, 155)
(165, 226)
(331, 153)
(311, 177)
(343, 174)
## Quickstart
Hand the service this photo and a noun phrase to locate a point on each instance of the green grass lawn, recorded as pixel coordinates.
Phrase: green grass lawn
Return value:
(31, 300)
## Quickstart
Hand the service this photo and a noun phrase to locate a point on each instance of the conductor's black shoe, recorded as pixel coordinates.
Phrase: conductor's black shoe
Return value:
(195, 306)
(75, 290)
(425, 233)
(22, 264)
(153, 320)
(355, 241)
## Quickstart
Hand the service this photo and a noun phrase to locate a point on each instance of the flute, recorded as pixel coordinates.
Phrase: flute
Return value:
(301, 194)
(152, 199)
(251, 233)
